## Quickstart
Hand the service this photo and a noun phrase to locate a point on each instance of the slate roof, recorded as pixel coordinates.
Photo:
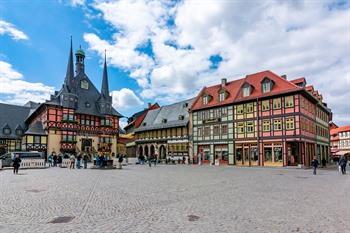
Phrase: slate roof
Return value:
(88, 99)
(155, 118)
(14, 116)
(138, 117)
(36, 129)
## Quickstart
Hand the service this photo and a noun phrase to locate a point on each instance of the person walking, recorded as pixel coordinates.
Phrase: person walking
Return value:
(342, 164)
(16, 164)
(155, 159)
(314, 164)
(49, 160)
(85, 160)
(120, 161)
(79, 157)
(59, 159)
(54, 157)
(149, 161)
(72, 161)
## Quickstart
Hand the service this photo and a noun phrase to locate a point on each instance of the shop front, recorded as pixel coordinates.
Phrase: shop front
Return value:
(221, 154)
(272, 154)
(247, 155)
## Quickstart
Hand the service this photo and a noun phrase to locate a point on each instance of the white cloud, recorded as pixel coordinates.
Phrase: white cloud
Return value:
(125, 99)
(10, 29)
(123, 122)
(75, 3)
(297, 38)
(13, 89)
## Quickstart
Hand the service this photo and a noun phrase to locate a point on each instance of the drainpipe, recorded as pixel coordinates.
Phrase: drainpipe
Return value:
(257, 135)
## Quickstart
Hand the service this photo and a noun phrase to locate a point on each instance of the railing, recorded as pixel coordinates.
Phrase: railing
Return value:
(65, 163)
(33, 163)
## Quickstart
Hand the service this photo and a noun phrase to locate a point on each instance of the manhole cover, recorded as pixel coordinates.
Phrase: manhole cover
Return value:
(63, 219)
(34, 190)
(302, 177)
(192, 218)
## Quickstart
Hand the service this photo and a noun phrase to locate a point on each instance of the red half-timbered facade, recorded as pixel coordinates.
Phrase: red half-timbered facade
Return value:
(79, 117)
(276, 122)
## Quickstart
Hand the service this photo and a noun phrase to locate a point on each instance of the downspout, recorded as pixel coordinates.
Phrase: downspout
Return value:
(258, 131)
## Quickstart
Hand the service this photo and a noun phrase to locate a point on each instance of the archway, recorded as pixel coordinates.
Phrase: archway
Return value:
(152, 150)
(146, 150)
(162, 152)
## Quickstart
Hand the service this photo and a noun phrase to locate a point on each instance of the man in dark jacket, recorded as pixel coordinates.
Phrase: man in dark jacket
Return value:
(342, 163)
(314, 164)
(16, 164)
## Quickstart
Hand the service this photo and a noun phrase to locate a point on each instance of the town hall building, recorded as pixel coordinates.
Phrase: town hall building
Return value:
(76, 118)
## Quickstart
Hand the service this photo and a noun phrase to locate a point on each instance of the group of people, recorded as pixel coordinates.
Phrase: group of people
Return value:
(343, 161)
(55, 159)
(154, 159)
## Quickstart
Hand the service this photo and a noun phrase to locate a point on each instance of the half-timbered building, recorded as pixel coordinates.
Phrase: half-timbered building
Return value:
(276, 122)
(164, 131)
(76, 118)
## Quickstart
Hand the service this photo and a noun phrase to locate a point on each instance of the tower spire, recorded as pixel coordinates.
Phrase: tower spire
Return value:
(70, 69)
(104, 87)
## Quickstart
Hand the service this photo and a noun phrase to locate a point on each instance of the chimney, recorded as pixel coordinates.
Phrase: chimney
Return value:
(223, 82)
(149, 105)
(284, 76)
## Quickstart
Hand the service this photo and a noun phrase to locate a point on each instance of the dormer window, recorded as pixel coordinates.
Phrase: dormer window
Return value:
(246, 91)
(144, 124)
(266, 84)
(205, 100)
(6, 130)
(266, 87)
(222, 96)
(84, 84)
(19, 131)
(164, 121)
(181, 117)
(185, 105)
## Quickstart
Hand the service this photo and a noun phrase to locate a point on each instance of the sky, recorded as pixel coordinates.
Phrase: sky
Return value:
(166, 51)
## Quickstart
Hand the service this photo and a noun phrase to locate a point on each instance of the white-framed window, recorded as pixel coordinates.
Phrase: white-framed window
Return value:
(222, 96)
(246, 91)
(266, 87)
(205, 100)
(290, 123)
(288, 101)
(265, 105)
(277, 103)
(250, 127)
(266, 126)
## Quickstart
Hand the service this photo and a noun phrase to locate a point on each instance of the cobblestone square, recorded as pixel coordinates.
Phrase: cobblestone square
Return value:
(174, 198)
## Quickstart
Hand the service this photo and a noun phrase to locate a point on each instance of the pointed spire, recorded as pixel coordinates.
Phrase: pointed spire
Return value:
(70, 69)
(105, 88)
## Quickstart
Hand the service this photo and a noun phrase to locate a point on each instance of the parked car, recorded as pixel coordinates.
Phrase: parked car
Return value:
(7, 158)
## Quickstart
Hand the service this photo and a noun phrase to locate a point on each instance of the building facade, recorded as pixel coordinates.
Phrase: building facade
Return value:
(76, 118)
(340, 141)
(275, 122)
(133, 123)
(164, 131)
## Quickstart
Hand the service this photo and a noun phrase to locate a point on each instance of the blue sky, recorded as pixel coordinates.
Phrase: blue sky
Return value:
(167, 51)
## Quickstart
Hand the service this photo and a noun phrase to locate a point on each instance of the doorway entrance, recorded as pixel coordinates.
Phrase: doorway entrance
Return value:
(86, 144)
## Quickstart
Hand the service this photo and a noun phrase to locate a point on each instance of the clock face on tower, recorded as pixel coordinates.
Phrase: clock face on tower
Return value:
(84, 84)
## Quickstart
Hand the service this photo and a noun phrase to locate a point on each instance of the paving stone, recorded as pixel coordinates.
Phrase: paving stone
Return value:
(178, 198)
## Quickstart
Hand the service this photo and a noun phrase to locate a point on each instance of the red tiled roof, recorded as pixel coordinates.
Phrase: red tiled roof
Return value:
(298, 80)
(340, 129)
(280, 85)
(309, 88)
(231, 87)
(139, 120)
